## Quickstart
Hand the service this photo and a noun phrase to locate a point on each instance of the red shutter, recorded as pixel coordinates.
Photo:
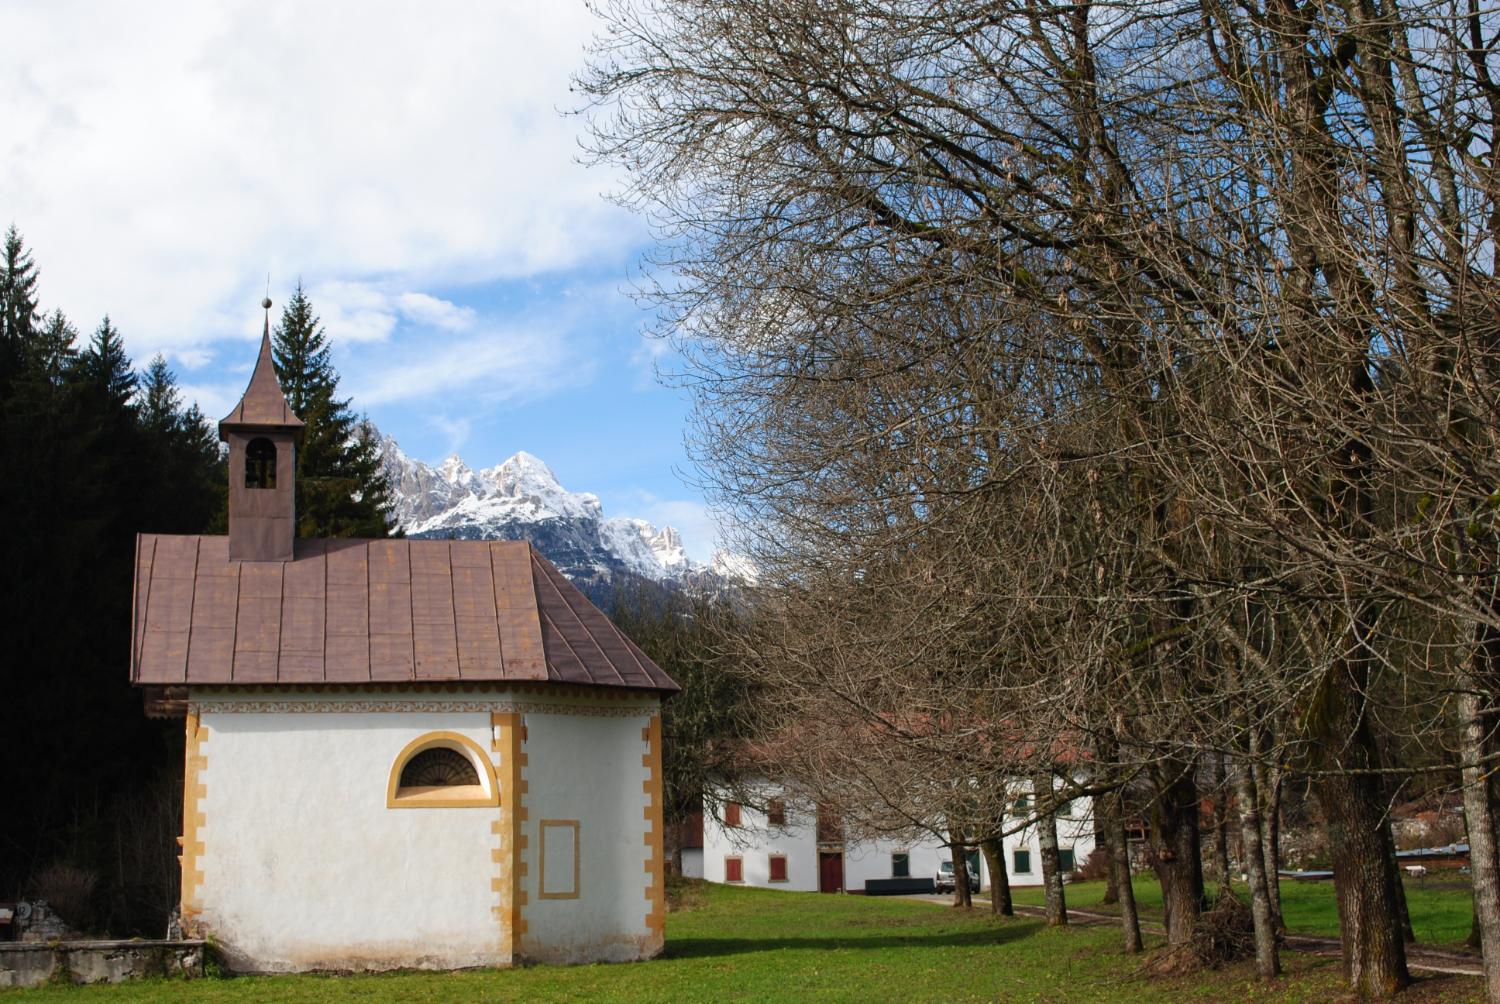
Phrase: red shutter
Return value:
(732, 814)
(776, 813)
(733, 870)
(778, 868)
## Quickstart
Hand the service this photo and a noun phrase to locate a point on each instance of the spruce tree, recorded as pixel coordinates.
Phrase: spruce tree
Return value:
(160, 403)
(18, 309)
(341, 490)
(86, 467)
(182, 451)
(53, 351)
(103, 370)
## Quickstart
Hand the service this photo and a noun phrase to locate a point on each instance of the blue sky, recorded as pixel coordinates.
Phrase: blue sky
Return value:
(412, 164)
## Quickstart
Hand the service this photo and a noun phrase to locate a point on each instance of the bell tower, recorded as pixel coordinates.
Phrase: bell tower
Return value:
(262, 434)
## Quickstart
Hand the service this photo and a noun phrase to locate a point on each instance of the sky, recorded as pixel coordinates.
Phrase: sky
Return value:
(413, 165)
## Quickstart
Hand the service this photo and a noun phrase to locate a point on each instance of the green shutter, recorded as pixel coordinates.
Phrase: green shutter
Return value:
(1065, 859)
(1021, 862)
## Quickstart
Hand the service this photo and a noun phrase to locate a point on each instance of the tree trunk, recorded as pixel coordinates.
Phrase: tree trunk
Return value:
(1403, 915)
(1267, 961)
(1221, 829)
(1479, 812)
(1119, 865)
(994, 857)
(1268, 783)
(1046, 826)
(1179, 864)
(1364, 877)
(1105, 823)
(961, 894)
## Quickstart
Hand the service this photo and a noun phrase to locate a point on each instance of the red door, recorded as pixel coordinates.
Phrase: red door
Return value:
(830, 871)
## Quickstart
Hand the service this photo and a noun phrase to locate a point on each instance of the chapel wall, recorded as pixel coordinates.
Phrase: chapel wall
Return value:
(302, 864)
(593, 832)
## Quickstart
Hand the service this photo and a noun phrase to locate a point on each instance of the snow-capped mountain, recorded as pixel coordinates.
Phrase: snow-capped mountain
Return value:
(521, 499)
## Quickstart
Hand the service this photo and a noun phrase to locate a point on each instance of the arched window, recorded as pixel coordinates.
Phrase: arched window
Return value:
(260, 463)
(442, 770)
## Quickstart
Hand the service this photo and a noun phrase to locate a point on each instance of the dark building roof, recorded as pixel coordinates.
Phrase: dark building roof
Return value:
(362, 611)
(263, 404)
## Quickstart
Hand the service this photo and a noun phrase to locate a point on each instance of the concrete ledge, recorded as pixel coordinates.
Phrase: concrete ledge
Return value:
(32, 963)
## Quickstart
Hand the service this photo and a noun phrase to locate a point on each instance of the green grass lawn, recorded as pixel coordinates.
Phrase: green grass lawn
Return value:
(1441, 908)
(759, 945)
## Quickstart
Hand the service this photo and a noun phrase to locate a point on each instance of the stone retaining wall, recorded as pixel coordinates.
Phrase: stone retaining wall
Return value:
(29, 964)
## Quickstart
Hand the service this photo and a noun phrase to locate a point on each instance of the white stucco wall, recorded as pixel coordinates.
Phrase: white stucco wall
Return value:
(692, 862)
(753, 842)
(589, 770)
(305, 867)
(1074, 830)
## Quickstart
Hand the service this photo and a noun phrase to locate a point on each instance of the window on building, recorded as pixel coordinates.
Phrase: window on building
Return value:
(778, 867)
(260, 463)
(1020, 862)
(734, 870)
(776, 812)
(732, 814)
(1065, 809)
(439, 767)
(441, 770)
(901, 865)
(1065, 859)
(1021, 806)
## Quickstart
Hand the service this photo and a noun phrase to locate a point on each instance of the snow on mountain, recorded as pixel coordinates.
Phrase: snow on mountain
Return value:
(735, 567)
(521, 499)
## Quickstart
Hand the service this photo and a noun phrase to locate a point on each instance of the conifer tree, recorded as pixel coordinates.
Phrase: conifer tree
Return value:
(87, 465)
(53, 351)
(104, 369)
(182, 450)
(160, 403)
(18, 310)
(341, 490)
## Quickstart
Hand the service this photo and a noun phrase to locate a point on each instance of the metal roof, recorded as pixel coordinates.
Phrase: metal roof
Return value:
(263, 404)
(370, 611)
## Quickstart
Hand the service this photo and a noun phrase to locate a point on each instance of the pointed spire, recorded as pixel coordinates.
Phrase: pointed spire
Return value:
(263, 404)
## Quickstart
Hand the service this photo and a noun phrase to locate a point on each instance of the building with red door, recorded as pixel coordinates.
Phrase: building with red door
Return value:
(782, 841)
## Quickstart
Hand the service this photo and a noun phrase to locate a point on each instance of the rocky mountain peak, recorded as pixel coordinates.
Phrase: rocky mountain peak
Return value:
(522, 499)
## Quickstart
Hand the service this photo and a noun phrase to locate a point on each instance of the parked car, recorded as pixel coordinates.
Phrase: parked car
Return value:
(943, 880)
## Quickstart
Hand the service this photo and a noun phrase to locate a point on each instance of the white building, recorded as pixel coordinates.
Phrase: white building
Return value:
(424, 753)
(783, 846)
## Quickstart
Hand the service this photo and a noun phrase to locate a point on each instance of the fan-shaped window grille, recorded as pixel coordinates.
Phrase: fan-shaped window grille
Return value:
(439, 767)
(442, 770)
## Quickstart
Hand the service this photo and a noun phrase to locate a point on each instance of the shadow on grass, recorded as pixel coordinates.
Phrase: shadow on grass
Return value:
(698, 948)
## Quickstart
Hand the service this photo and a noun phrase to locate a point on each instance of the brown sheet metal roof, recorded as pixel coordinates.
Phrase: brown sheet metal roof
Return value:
(263, 403)
(362, 611)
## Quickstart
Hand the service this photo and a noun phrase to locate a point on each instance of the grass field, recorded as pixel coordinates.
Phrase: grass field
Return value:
(758, 945)
(1441, 908)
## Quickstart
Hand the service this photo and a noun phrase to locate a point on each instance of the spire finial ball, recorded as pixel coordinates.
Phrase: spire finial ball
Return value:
(266, 303)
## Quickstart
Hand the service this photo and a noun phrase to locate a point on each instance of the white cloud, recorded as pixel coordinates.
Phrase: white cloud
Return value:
(354, 311)
(161, 159)
(192, 358)
(433, 312)
(214, 400)
(455, 430)
(493, 365)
